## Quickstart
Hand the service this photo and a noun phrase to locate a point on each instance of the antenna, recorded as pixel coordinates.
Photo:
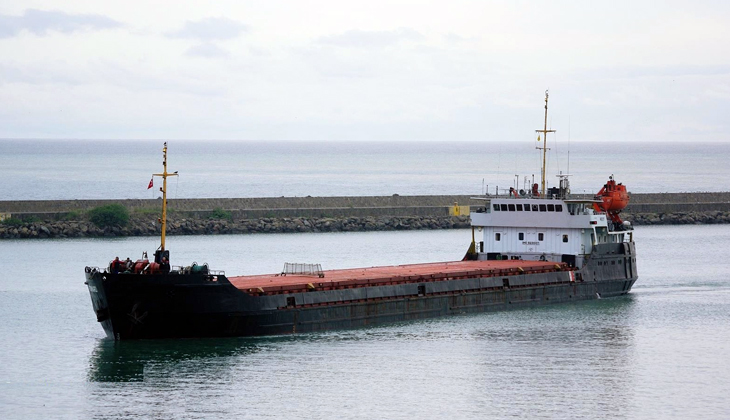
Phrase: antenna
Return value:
(569, 144)
(544, 132)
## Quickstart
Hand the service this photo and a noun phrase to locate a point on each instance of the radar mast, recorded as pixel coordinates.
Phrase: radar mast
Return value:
(163, 220)
(544, 147)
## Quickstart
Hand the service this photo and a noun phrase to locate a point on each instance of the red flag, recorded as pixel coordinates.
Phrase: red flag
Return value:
(150, 186)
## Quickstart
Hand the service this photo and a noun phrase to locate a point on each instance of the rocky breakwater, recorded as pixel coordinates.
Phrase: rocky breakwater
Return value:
(678, 208)
(147, 226)
(70, 218)
(683, 218)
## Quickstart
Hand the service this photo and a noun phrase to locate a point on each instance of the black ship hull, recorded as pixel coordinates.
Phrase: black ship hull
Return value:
(134, 306)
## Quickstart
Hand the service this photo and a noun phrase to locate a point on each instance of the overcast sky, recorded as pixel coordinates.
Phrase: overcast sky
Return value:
(365, 70)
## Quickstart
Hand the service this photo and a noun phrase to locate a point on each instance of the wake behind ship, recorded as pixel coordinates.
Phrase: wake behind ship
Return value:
(538, 246)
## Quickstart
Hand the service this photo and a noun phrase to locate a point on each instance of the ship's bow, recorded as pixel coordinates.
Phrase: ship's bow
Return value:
(95, 283)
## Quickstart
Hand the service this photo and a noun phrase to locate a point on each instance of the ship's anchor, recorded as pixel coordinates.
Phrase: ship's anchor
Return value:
(137, 319)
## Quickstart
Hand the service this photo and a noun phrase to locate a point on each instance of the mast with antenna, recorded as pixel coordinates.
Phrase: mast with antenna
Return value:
(544, 148)
(163, 220)
(568, 144)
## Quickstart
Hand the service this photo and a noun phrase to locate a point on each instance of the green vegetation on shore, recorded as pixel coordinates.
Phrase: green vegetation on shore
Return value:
(13, 221)
(109, 215)
(220, 214)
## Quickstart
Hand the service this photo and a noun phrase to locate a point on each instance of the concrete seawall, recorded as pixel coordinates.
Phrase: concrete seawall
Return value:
(240, 204)
(436, 205)
(67, 218)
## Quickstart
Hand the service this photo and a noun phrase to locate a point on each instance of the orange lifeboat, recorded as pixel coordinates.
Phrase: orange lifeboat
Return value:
(615, 198)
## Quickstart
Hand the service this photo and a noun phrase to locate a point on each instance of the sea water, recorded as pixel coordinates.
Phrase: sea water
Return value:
(659, 352)
(69, 170)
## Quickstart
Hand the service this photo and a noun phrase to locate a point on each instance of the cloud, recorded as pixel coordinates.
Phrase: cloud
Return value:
(207, 50)
(210, 29)
(653, 72)
(60, 75)
(40, 22)
(718, 91)
(55, 73)
(453, 38)
(371, 39)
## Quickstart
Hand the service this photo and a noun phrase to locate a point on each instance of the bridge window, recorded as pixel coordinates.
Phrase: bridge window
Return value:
(559, 207)
(565, 238)
(527, 207)
(551, 207)
(534, 207)
(541, 236)
(519, 207)
(503, 206)
(497, 236)
(543, 207)
(495, 207)
(521, 235)
(511, 207)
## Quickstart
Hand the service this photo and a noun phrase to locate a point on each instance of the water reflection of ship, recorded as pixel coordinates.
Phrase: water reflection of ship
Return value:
(128, 361)
(606, 322)
(569, 353)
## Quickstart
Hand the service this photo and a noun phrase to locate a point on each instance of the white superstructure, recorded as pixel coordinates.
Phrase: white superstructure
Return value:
(560, 230)
(549, 224)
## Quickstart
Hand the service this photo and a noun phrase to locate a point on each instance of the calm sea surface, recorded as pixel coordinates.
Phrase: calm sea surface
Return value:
(660, 352)
(36, 170)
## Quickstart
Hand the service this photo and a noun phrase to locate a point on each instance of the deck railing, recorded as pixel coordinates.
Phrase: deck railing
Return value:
(302, 269)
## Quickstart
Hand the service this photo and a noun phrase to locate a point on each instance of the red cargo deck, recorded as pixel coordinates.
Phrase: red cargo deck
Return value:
(386, 275)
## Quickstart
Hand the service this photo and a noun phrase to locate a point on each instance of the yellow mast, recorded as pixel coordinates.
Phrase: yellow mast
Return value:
(164, 176)
(544, 148)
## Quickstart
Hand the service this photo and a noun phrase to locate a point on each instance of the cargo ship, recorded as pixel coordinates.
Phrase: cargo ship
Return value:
(537, 246)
